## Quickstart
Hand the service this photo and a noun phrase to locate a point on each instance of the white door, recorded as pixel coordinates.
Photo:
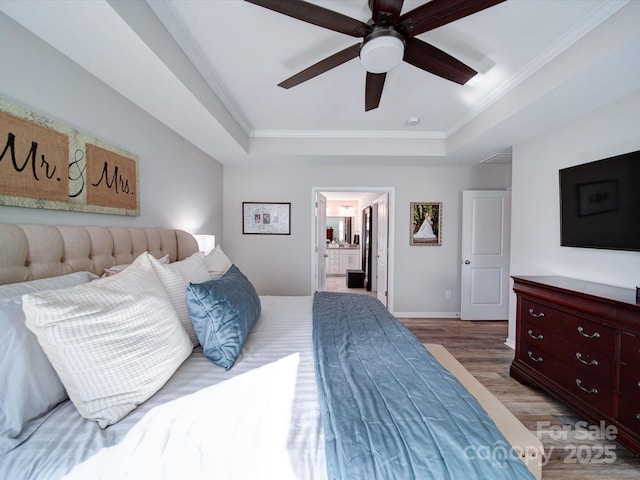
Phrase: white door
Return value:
(486, 228)
(321, 244)
(382, 247)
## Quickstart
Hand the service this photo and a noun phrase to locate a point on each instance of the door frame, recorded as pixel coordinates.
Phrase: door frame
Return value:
(391, 232)
(320, 246)
(383, 239)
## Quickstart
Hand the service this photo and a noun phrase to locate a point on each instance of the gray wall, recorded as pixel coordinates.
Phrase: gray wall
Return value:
(281, 265)
(180, 186)
(535, 227)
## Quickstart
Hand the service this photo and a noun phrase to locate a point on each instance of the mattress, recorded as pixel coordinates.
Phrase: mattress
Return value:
(282, 335)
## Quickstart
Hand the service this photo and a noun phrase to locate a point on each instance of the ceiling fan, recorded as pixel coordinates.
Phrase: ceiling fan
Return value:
(388, 39)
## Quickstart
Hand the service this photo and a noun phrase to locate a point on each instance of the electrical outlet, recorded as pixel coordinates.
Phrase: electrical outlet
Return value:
(447, 294)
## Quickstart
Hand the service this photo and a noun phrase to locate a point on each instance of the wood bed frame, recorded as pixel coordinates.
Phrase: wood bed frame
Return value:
(525, 443)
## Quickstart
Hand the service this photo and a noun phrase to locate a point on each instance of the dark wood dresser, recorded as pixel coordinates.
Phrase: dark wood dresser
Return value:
(580, 342)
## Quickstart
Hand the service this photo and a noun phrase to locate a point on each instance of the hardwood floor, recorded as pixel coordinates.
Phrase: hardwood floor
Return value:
(572, 450)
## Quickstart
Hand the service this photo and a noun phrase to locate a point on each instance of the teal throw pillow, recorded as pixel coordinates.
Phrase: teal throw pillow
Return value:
(223, 313)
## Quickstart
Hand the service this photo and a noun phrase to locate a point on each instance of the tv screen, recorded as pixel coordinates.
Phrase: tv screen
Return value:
(600, 204)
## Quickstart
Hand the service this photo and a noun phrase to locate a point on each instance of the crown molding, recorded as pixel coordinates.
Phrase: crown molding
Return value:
(566, 41)
(347, 134)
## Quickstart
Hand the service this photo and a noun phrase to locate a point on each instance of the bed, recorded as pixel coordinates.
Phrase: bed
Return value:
(273, 411)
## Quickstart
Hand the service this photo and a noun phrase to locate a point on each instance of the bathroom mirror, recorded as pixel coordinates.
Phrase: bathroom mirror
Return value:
(341, 228)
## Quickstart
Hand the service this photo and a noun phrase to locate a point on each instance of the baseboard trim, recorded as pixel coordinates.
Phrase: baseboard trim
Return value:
(452, 315)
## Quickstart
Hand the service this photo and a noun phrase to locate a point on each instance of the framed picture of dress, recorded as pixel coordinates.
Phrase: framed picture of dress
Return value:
(426, 223)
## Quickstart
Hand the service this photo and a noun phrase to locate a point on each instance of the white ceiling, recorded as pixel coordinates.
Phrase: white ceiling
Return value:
(209, 70)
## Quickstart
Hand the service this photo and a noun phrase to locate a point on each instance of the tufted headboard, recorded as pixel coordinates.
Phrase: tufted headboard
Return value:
(29, 252)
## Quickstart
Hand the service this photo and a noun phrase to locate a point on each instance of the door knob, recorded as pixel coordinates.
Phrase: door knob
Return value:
(467, 262)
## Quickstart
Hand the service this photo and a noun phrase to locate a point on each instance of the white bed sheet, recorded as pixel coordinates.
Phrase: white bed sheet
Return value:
(280, 342)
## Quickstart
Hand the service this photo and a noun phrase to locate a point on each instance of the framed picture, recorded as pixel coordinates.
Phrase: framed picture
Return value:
(266, 218)
(61, 168)
(426, 223)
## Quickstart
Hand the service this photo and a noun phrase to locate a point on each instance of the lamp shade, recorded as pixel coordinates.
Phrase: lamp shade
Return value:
(206, 243)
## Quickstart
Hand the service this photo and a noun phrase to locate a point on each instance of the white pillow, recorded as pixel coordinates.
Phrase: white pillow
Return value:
(217, 263)
(115, 269)
(114, 342)
(192, 268)
(118, 268)
(29, 386)
(176, 285)
(64, 281)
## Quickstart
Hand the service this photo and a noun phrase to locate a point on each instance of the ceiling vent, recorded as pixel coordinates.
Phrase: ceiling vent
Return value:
(504, 157)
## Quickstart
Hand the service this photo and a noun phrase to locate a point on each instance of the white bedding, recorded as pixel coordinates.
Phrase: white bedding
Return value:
(220, 436)
(210, 433)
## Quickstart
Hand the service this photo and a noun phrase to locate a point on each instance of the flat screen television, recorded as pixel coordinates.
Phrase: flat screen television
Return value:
(600, 204)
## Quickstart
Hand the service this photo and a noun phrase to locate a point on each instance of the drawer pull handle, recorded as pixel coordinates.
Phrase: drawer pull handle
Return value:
(590, 363)
(539, 359)
(535, 337)
(588, 390)
(593, 335)
(533, 313)
(637, 416)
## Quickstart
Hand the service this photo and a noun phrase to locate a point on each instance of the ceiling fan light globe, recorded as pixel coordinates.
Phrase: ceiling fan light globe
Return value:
(382, 54)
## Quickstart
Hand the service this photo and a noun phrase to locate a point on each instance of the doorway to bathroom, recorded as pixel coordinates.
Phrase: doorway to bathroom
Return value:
(352, 247)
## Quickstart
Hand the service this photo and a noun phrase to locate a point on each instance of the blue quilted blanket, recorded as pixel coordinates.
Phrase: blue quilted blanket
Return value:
(389, 409)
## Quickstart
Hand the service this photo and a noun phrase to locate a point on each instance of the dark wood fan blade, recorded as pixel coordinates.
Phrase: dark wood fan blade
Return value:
(322, 66)
(433, 60)
(385, 12)
(310, 13)
(436, 13)
(375, 84)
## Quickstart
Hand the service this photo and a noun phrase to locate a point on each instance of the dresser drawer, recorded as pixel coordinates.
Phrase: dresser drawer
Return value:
(593, 336)
(630, 350)
(538, 337)
(587, 362)
(538, 359)
(630, 382)
(578, 355)
(572, 328)
(597, 392)
(537, 314)
(629, 413)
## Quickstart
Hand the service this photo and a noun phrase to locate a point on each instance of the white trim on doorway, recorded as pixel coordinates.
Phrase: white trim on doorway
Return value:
(358, 191)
